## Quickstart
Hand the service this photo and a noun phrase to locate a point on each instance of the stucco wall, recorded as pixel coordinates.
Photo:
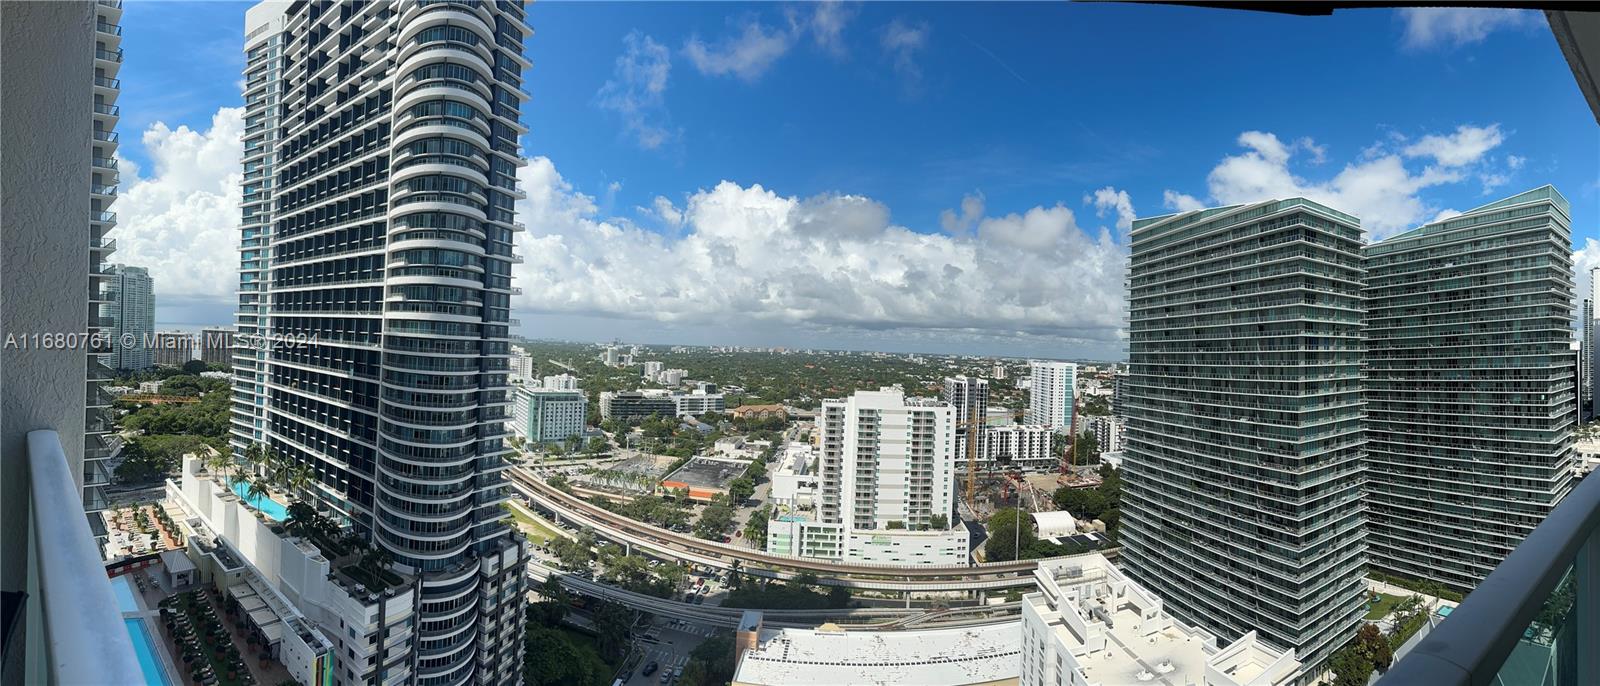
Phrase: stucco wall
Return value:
(46, 70)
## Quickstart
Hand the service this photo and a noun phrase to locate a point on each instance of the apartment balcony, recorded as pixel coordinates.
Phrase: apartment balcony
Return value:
(106, 163)
(108, 83)
(1534, 620)
(112, 111)
(106, 136)
(113, 56)
(83, 639)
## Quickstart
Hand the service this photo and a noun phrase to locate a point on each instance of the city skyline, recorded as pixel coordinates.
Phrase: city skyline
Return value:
(1025, 220)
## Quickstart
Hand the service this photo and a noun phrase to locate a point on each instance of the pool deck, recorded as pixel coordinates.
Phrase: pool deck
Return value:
(146, 600)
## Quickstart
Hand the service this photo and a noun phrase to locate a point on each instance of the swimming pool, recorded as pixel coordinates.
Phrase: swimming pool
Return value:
(124, 590)
(268, 506)
(154, 673)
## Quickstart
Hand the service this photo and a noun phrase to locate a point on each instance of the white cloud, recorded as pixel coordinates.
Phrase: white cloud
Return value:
(1458, 26)
(826, 23)
(901, 42)
(747, 55)
(1445, 214)
(663, 209)
(1319, 153)
(1515, 162)
(1109, 199)
(1466, 146)
(751, 257)
(1379, 188)
(1174, 200)
(181, 222)
(971, 212)
(637, 89)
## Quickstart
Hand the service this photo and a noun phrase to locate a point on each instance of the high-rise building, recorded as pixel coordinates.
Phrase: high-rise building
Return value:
(1050, 395)
(1242, 467)
(216, 345)
(132, 312)
(387, 158)
(265, 45)
(521, 365)
(886, 491)
(542, 415)
(1586, 335)
(102, 181)
(173, 348)
(1469, 386)
(968, 397)
(1119, 390)
(651, 369)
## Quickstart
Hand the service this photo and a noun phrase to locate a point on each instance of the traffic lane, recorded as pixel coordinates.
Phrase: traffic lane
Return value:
(673, 642)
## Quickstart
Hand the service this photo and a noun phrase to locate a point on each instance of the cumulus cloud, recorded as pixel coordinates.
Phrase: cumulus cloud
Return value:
(826, 25)
(1379, 188)
(1427, 27)
(747, 55)
(180, 218)
(971, 213)
(636, 91)
(902, 42)
(1181, 202)
(1466, 146)
(1109, 199)
(750, 256)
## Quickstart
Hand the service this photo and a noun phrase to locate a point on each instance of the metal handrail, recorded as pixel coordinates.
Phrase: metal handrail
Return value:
(1471, 647)
(86, 637)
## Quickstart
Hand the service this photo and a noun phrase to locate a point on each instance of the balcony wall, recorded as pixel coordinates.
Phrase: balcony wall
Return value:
(44, 285)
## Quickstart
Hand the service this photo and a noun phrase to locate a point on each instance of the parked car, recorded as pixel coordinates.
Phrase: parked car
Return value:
(649, 669)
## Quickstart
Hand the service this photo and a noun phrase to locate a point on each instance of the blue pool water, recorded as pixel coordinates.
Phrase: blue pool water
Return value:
(124, 591)
(154, 673)
(270, 507)
(1445, 611)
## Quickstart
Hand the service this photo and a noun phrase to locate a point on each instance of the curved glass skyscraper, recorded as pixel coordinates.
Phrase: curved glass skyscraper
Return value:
(380, 280)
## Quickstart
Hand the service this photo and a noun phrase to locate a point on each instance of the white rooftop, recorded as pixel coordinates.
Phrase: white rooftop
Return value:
(936, 657)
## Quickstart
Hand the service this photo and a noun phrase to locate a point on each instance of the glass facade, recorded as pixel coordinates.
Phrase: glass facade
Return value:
(1469, 386)
(380, 158)
(98, 442)
(1243, 464)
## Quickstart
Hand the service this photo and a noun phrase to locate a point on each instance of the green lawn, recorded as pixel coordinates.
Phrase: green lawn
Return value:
(1384, 605)
(537, 531)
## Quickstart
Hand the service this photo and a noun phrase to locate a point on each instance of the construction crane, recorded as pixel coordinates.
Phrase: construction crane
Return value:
(972, 425)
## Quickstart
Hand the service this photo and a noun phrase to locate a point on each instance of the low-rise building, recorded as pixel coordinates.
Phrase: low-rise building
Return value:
(698, 403)
(1017, 446)
(542, 415)
(704, 478)
(794, 478)
(827, 656)
(759, 412)
(636, 405)
(559, 382)
(671, 377)
(337, 623)
(1089, 624)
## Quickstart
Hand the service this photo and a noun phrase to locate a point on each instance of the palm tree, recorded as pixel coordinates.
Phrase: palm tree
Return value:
(217, 463)
(257, 489)
(299, 478)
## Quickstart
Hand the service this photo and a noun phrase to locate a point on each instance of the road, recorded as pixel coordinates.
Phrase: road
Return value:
(721, 555)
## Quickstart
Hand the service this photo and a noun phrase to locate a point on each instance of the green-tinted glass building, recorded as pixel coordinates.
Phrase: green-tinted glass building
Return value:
(1469, 386)
(1244, 462)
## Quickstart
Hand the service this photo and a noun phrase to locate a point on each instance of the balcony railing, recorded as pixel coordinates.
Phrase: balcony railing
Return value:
(1534, 620)
(85, 640)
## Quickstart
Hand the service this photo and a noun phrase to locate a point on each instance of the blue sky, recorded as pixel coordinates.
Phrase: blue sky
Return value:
(670, 139)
